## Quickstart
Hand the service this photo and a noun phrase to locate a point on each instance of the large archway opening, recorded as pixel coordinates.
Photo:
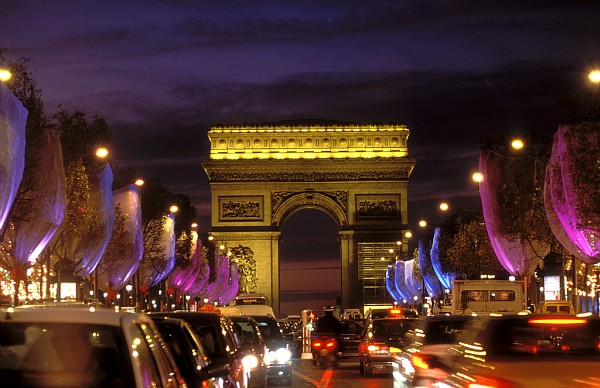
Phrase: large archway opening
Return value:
(309, 262)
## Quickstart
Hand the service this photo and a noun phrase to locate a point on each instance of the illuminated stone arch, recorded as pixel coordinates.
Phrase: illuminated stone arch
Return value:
(310, 200)
(261, 175)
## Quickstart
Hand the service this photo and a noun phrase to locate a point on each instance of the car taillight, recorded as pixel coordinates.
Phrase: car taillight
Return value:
(375, 348)
(568, 321)
(323, 344)
(420, 361)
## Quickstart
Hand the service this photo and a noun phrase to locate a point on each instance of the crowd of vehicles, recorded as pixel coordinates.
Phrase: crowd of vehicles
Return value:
(80, 345)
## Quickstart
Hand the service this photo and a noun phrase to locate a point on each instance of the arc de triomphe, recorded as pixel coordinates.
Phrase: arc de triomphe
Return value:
(260, 175)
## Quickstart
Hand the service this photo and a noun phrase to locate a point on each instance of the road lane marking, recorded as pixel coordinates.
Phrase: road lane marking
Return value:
(306, 378)
(325, 378)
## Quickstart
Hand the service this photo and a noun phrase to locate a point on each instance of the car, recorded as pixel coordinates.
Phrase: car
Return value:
(529, 350)
(428, 354)
(556, 306)
(219, 340)
(350, 339)
(278, 357)
(248, 331)
(83, 347)
(380, 341)
(294, 341)
(192, 361)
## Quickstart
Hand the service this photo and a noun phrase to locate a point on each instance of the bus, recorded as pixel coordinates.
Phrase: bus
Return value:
(251, 299)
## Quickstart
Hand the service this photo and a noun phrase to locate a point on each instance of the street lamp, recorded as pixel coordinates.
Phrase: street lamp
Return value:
(517, 144)
(5, 75)
(594, 76)
(477, 177)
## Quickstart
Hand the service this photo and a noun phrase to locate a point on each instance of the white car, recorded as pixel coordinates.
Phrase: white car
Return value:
(83, 347)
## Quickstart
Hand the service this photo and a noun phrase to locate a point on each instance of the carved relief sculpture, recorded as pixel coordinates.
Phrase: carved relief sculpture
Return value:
(244, 257)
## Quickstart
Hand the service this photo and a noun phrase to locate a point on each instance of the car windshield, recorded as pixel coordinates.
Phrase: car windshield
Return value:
(543, 337)
(52, 354)
(392, 327)
(443, 331)
(268, 328)
(212, 341)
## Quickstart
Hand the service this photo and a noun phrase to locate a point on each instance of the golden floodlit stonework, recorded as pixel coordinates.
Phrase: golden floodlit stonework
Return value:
(260, 175)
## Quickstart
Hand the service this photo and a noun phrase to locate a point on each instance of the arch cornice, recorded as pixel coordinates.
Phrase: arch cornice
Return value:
(310, 200)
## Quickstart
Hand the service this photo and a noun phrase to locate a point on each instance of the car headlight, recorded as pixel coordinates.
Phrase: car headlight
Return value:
(250, 362)
(280, 356)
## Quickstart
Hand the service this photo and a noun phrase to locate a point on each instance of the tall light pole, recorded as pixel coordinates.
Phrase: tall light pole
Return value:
(137, 295)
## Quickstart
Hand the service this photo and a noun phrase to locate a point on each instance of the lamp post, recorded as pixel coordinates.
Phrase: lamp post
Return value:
(128, 287)
(137, 295)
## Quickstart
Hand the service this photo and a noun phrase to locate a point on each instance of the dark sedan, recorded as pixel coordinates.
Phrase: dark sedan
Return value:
(193, 363)
(249, 333)
(278, 357)
(383, 338)
(219, 341)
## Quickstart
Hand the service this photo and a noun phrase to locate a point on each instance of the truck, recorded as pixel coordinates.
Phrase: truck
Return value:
(487, 296)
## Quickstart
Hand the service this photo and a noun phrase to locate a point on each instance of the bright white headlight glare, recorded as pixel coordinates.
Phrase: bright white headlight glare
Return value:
(250, 362)
(280, 356)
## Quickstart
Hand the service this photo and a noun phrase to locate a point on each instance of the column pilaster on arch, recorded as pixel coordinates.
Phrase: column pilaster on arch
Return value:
(350, 287)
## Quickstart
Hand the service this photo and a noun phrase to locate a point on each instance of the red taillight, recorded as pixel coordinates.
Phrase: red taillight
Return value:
(421, 362)
(374, 348)
(323, 344)
(557, 321)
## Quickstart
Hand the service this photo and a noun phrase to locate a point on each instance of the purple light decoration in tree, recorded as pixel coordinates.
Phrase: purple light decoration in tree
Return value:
(230, 291)
(500, 173)
(92, 247)
(399, 279)
(390, 283)
(445, 279)
(432, 284)
(571, 197)
(48, 203)
(115, 275)
(13, 117)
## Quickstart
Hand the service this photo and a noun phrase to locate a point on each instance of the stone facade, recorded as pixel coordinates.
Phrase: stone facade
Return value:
(260, 175)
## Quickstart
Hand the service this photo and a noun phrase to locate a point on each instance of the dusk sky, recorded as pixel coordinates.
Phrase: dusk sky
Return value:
(163, 72)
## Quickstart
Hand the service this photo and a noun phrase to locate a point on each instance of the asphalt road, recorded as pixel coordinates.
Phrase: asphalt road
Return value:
(344, 374)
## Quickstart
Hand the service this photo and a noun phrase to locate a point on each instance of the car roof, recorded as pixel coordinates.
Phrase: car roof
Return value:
(448, 317)
(188, 315)
(91, 315)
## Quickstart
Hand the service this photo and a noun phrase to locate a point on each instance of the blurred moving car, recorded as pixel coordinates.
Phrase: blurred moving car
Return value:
(218, 339)
(278, 357)
(428, 355)
(540, 350)
(191, 359)
(383, 338)
(78, 347)
(249, 333)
